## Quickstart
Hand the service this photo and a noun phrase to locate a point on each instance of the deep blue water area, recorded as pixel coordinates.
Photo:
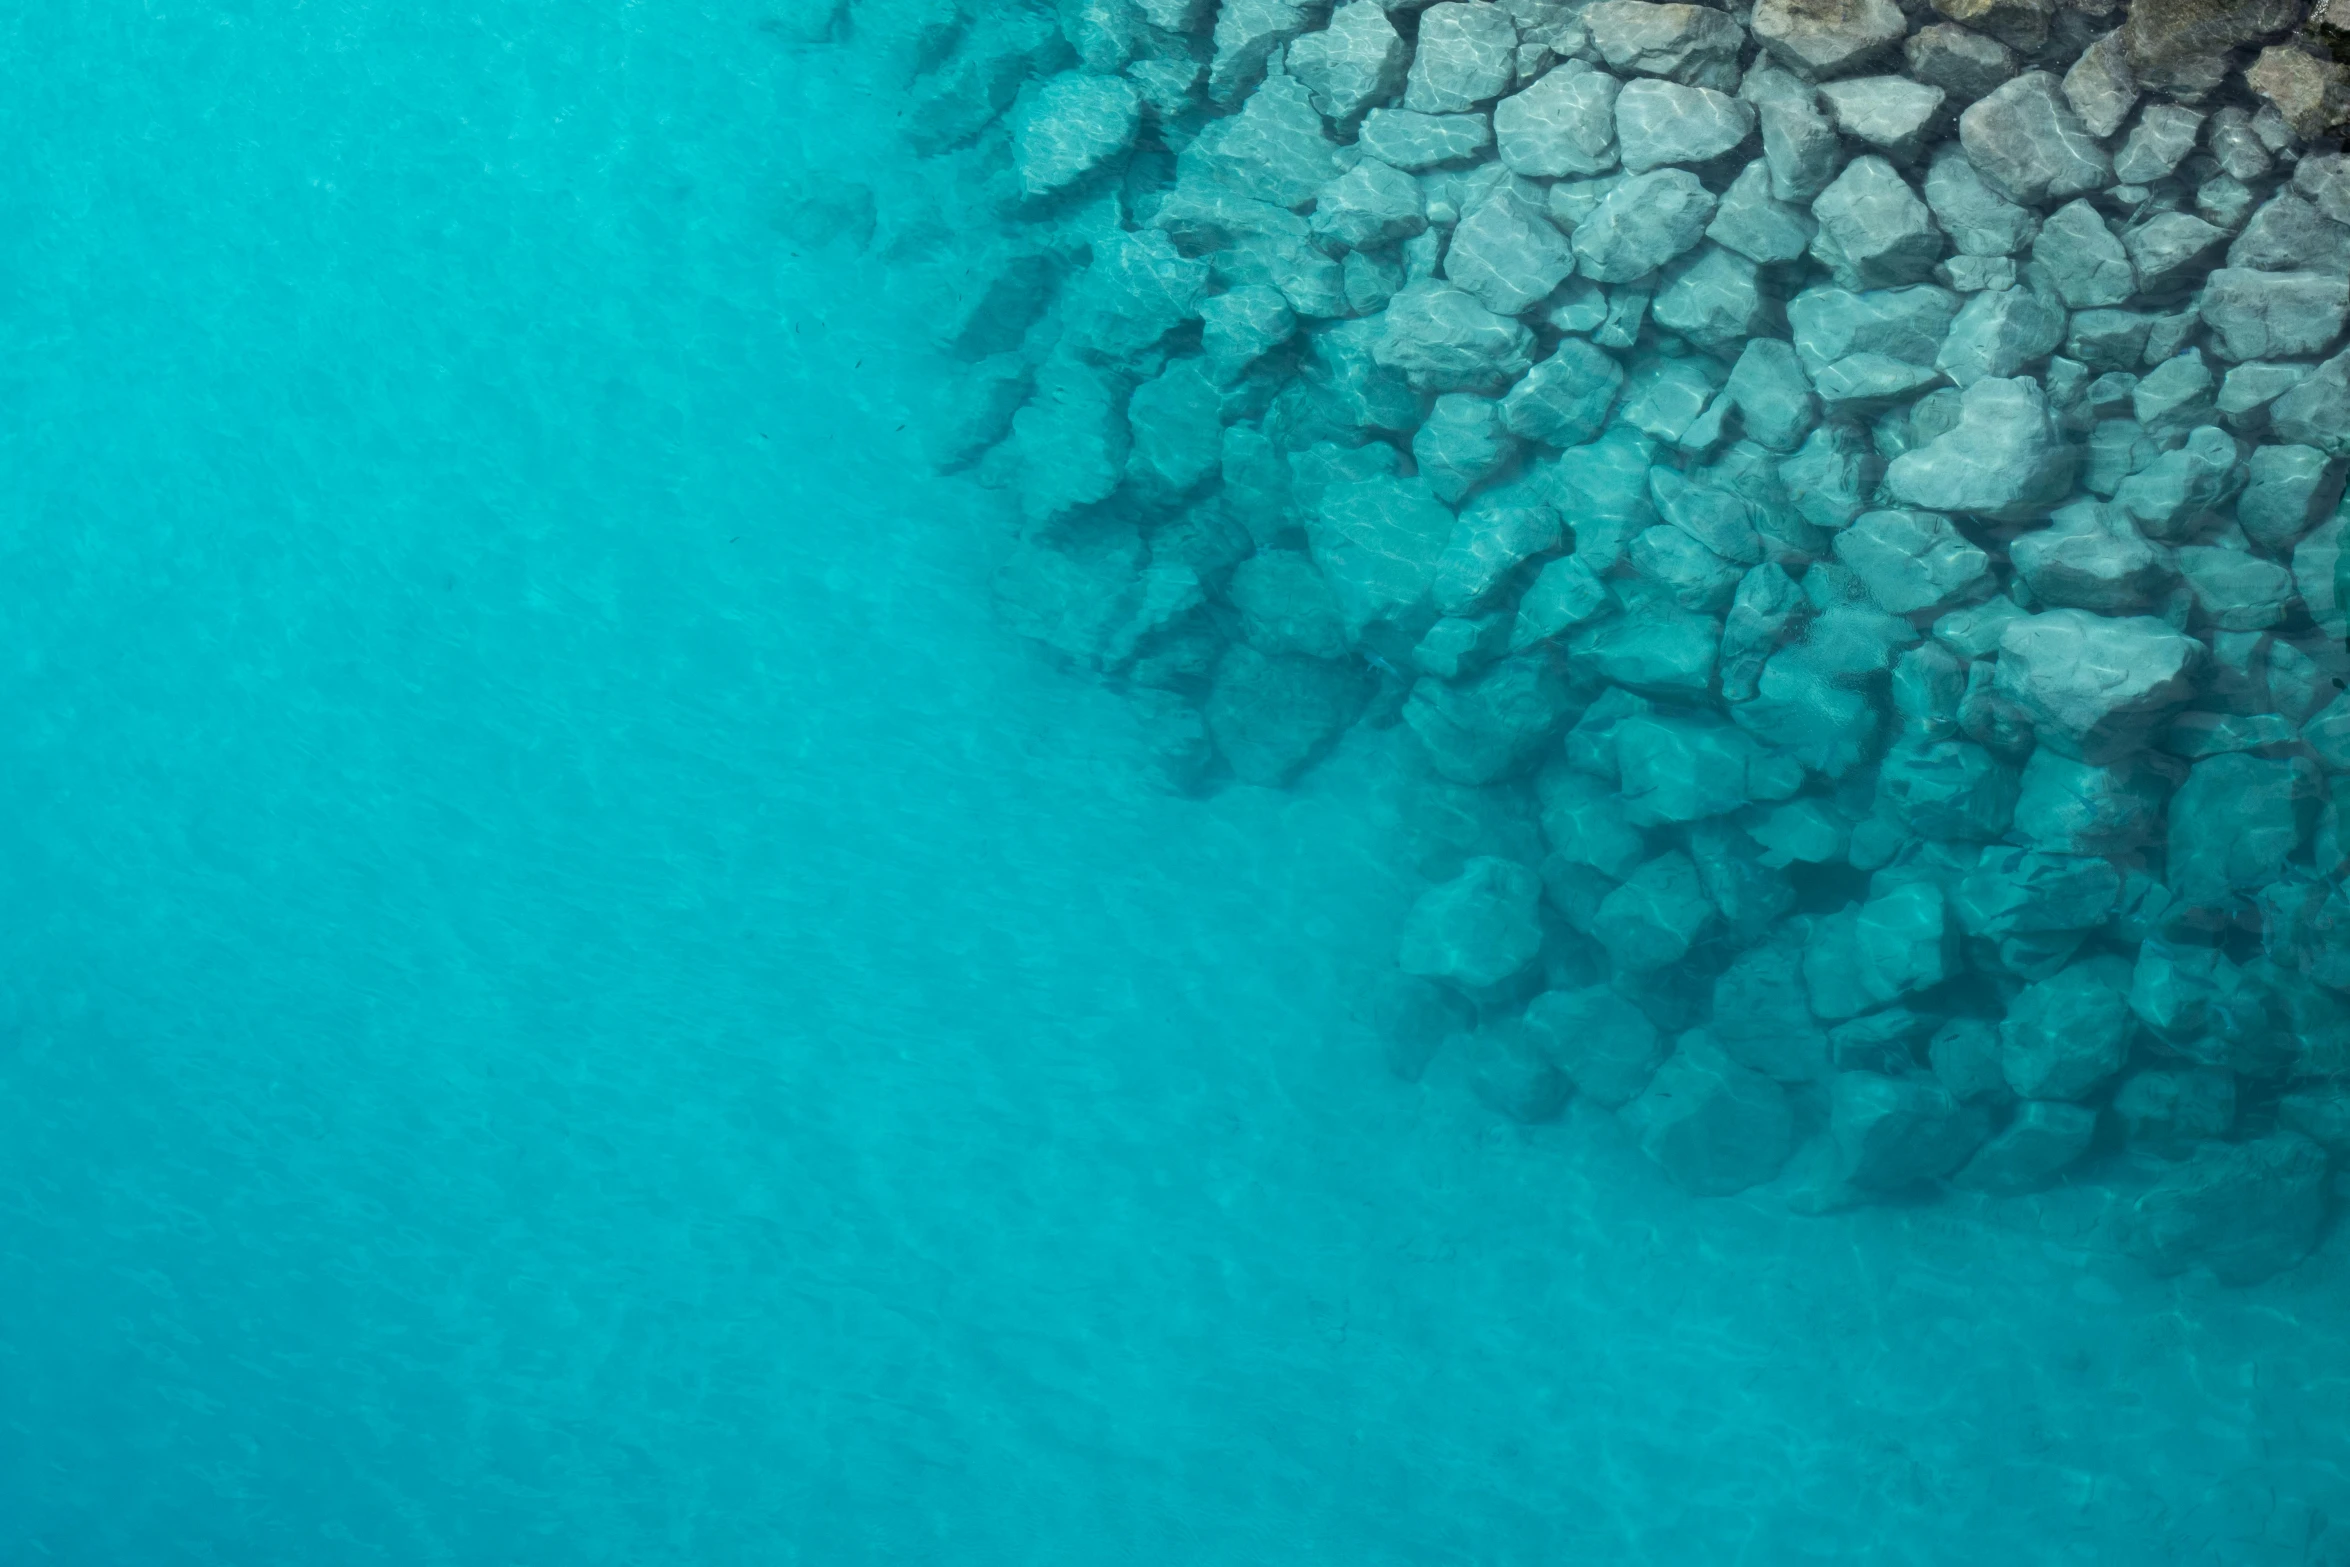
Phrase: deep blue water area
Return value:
(572, 997)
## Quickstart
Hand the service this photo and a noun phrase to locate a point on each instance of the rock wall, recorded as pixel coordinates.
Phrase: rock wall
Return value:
(1839, 500)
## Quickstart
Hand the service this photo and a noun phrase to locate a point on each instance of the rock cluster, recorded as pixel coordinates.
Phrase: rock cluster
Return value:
(1841, 499)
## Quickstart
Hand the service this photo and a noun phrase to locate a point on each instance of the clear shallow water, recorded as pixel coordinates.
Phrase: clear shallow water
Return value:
(575, 999)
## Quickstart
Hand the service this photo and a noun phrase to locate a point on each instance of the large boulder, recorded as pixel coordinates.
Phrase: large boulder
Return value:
(1275, 149)
(1378, 541)
(1505, 251)
(1563, 126)
(2071, 807)
(2274, 315)
(2094, 687)
(1685, 43)
(1357, 61)
(1272, 714)
(2092, 556)
(1825, 38)
(1641, 224)
(1466, 57)
(1070, 126)
(2046, 1137)
(2235, 823)
(2030, 145)
(1494, 723)
(2066, 1034)
(1478, 929)
(2004, 459)
(1894, 1132)
(1979, 220)
(1874, 230)
(1914, 561)
(1656, 916)
(1446, 340)
(1605, 1044)
(1714, 1127)
(2246, 1211)
(1660, 123)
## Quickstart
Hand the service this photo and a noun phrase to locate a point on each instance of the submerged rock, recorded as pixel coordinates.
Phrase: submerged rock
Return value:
(1477, 929)
(1713, 1126)
(2243, 1210)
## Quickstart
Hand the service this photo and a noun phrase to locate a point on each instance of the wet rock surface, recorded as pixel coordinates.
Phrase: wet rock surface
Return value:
(1858, 490)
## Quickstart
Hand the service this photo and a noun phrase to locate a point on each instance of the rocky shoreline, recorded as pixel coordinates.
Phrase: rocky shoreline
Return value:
(1841, 500)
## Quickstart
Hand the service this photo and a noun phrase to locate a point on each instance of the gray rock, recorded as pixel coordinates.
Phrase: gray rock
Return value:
(2246, 1211)
(1833, 475)
(1929, 686)
(1891, 113)
(1378, 541)
(1275, 149)
(1874, 230)
(1476, 930)
(2316, 412)
(1506, 252)
(2168, 1110)
(1665, 397)
(1285, 606)
(1353, 385)
(1800, 145)
(1712, 297)
(1660, 123)
(2195, 1000)
(2091, 557)
(1358, 61)
(1714, 1127)
(1564, 400)
(1509, 1073)
(2164, 135)
(2004, 460)
(1583, 820)
(1696, 577)
(1653, 919)
(1605, 1045)
(2101, 87)
(1914, 561)
(1662, 650)
(2030, 145)
(2175, 397)
(1467, 55)
(1874, 953)
(1834, 327)
(2274, 315)
(1766, 607)
(1445, 340)
(1681, 770)
(1762, 1015)
(1462, 445)
(1240, 326)
(1494, 724)
(1975, 632)
(1272, 715)
(2236, 591)
(2044, 1139)
(2225, 200)
(1138, 289)
(1565, 124)
(1071, 125)
(2073, 808)
(1458, 646)
(1423, 141)
(2289, 490)
(1894, 1132)
(1998, 335)
(1642, 224)
(2084, 262)
(2288, 234)
(1964, 64)
(2023, 24)
(2324, 179)
(2169, 41)
(1687, 43)
(1490, 542)
(2235, 145)
(1370, 204)
(1948, 790)
(1178, 427)
(1979, 220)
(1071, 440)
(2109, 340)
(1602, 489)
(1247, 33)
(2094, 687)
(2013, 892)
(1752, 222)
(1564, 594)
(2236, 821)
(1820, 39)
(1772, 395)
(2172, 497)
(2065, 1035)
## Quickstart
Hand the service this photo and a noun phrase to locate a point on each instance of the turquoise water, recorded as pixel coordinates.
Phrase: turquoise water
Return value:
(572, 997)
